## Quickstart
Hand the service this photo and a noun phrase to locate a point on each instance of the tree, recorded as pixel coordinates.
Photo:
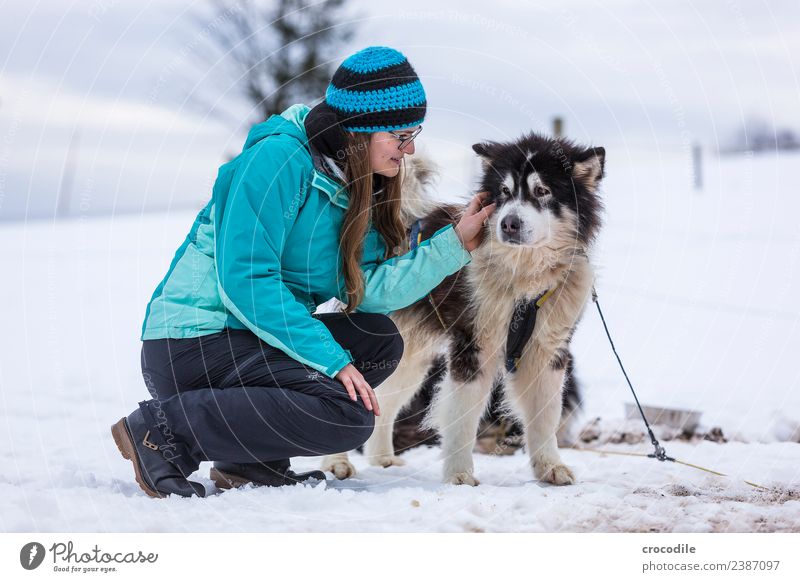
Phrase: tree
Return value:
(277, 53)
(759, 135)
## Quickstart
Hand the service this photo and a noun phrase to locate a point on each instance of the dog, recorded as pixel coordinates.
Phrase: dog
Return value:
(536, 246)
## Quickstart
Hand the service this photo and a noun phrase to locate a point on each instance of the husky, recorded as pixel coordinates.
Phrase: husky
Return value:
(535, 252)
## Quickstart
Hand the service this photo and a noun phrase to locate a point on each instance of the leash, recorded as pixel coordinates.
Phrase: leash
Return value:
(659, 452)
(701, 468)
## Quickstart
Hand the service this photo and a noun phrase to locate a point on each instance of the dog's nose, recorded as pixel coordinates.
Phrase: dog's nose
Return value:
(510, 224)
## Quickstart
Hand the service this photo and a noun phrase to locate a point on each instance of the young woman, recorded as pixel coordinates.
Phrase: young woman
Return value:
(239, 368)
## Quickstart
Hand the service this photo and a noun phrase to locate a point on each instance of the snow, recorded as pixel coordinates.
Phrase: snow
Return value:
(698, 289)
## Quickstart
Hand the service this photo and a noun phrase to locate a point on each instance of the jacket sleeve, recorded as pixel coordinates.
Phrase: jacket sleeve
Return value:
(401, 281)
(257, 212)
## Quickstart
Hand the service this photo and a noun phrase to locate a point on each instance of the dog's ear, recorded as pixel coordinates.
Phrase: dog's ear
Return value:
(484, 150)
(588, 167)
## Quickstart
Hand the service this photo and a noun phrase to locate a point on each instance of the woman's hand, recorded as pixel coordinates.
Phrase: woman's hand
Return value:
(354, 382)
(470, 228)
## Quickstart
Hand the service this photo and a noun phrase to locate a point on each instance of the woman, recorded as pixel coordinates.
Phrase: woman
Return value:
(239, 368)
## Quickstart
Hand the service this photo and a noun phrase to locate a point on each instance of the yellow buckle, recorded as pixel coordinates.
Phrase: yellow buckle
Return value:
(148, 444)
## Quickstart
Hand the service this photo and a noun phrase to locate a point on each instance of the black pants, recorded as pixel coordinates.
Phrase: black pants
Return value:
(231, 397)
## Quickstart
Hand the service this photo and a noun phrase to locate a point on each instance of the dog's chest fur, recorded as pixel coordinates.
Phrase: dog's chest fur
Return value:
(500, 277)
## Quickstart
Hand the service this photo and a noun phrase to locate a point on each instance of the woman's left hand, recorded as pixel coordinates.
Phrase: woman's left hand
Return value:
(470, 228)
(354, 382)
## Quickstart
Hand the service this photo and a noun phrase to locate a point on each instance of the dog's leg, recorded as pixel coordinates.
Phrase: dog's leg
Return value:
(535, 392)
(393, 395)
(379, 449)
(456, 411)
(566, 435)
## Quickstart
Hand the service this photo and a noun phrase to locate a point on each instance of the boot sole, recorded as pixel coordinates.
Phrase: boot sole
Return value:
(124, 440)
(226, 480)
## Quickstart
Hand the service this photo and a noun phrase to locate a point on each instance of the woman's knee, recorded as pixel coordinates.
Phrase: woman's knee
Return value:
(159, 386)
(361, 433)
(374, 342)
(385, 329)
(356, 430)
(396, 347)
(378, 361)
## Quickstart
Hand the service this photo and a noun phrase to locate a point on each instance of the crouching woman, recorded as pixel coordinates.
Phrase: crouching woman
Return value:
(239, 368)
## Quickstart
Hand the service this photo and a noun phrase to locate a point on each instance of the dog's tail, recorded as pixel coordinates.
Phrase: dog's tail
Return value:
(420, 176)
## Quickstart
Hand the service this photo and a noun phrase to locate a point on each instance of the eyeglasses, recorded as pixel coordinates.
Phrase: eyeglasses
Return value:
(405, 140)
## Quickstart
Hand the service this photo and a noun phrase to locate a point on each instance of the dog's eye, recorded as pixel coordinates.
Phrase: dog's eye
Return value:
(505, 190)
(541, 191)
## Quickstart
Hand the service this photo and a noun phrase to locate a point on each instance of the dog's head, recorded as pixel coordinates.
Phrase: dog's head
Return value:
(545, 190)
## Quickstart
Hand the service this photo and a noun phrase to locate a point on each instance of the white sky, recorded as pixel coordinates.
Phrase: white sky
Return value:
(632, 74)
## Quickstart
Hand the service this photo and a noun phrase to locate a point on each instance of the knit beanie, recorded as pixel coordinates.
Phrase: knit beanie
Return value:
(376, 89)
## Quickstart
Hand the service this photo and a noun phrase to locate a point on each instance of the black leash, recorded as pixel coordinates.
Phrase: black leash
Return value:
(659, 453)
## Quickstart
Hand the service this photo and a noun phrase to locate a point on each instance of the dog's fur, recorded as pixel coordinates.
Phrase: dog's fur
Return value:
(539, 238)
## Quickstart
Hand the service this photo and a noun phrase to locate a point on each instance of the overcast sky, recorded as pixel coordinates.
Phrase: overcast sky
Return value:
(113, 76)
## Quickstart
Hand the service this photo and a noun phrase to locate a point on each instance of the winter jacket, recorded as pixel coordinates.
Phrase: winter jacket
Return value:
(264, 252)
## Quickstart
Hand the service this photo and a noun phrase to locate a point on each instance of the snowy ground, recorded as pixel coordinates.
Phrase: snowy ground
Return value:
(699, 290)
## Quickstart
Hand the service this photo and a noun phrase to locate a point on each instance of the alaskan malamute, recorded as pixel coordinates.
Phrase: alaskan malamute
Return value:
(536, 250)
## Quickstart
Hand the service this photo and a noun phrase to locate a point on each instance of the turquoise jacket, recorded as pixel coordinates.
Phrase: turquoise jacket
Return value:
(263, 254)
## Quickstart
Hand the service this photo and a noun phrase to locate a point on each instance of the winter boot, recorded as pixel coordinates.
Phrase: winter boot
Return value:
(269, 474)
(154, 474)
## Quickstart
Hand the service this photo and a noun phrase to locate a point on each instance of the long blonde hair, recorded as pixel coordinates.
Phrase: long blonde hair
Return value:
(384, 212)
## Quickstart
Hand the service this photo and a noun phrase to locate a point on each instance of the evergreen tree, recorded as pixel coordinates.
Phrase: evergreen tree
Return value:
(279, 52)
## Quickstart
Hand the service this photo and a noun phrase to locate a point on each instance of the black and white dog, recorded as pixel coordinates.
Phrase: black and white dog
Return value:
(532, 272)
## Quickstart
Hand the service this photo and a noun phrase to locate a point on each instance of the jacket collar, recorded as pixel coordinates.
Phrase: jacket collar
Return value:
(337, 193)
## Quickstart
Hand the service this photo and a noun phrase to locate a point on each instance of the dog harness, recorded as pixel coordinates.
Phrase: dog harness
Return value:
(521, 327)
(523, 320)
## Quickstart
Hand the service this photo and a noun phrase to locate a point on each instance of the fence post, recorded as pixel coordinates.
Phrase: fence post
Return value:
(558, 126)
(697, 165)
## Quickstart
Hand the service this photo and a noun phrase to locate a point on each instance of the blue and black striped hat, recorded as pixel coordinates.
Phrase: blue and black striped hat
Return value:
(376, 89)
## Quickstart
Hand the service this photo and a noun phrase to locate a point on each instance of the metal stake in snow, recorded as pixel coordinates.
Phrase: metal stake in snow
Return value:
(659, 453)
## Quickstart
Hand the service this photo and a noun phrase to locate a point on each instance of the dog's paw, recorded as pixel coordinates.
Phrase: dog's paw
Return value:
(555, 473)
(341, 469)
(462, 478)
(386, 461)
